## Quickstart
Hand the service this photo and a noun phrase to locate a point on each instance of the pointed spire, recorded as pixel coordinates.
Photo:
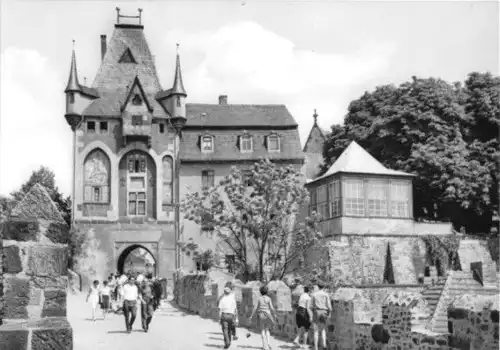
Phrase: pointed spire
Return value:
(73, 84)
(178, 87)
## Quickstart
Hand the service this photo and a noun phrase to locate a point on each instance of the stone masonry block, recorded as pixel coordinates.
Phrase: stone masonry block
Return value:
(60, 282)
(21, 230)
(58, 232)
(35, 296)
(55, 303)
(12, 259)
(53, 334)
(48, 261)
(16, 297)
(14, 337)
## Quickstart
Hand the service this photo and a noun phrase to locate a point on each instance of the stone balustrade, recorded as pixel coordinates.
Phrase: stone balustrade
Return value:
(361, 318)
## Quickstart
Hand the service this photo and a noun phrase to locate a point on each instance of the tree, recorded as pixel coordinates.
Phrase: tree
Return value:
(439, 131)
(46, 177)
(254, 213)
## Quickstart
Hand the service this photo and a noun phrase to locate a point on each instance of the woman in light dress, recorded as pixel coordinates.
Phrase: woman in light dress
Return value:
(266, 317)
(93, 297)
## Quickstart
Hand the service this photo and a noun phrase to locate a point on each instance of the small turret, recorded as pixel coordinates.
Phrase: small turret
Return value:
(178, 93)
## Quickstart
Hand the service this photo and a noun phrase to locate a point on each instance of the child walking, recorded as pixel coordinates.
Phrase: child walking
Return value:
(266, 317)
(105, 293)
(93, 297)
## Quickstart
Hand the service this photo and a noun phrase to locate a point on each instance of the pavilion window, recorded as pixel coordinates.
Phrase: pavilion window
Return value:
(354, 199)
(334, 198)
(377, 198)
(400, 199)
(322, 202)
(313, 202)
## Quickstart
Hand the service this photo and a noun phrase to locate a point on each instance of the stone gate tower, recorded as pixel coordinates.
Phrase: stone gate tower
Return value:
(126, 144)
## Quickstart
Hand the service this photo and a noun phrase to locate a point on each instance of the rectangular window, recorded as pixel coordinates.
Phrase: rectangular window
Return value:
(207, 179)
(137, 120)
(207, 144)
(90, 126)
(322, 202)
(246, 144)
(400, 199)
(103, 127)
(354, 199)
(377, 197)
(273, 143)
(334, 198)
(313, 201)
(96, 194)
(162, 128)
(137, 203)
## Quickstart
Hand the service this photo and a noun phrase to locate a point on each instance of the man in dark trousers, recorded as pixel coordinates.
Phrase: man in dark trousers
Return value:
(147, 308)
(130, 295)
(157, 289)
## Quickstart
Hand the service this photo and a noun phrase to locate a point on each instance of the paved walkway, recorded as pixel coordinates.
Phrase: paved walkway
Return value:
(170, 329)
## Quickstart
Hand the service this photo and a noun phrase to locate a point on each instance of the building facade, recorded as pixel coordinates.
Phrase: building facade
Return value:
(138, 149)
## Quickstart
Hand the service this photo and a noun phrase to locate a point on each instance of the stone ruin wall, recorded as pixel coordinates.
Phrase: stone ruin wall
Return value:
(34, 275)
(377, 318)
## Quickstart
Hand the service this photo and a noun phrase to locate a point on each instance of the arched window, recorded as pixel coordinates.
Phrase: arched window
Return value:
(167, 180)
(96, 177)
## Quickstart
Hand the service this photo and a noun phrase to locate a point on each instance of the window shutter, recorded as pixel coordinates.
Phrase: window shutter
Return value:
(105, 194)
(87, 197)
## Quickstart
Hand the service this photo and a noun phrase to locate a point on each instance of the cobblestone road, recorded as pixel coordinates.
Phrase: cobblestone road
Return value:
(171, 329)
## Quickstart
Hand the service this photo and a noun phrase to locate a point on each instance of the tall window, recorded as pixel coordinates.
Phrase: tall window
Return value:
(334, 198)
(313, 202)
(96, 177)
(400, 199)
(322, 201)
(377, 197)
(178, 101)
(71, 97)
(103, 127)
(137, 184)
(207, 144)
(273, 143)
(167, 180)
(207, 179)
(246, 143)
(91, 126)
(354, 199)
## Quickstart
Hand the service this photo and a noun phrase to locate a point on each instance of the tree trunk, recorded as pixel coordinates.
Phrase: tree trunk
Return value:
(261, 266)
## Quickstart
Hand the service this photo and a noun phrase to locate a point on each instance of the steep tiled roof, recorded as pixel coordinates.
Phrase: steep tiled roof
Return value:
(114, 79)
(315, 140)
(226, 145)
(199, 114)
(355, 159)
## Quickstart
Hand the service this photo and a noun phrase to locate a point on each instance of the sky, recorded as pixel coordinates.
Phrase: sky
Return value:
(304, 54)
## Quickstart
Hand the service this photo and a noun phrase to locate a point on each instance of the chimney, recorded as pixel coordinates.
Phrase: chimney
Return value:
(103, 46)
(223, 100)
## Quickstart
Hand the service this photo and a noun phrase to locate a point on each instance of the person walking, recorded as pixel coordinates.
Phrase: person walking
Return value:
(228, 315)
(93, 297)
(130, 295)
(303, 316)
(105, 293)
(322, 309)
(266, 316)
(156, 293)
(147, 308)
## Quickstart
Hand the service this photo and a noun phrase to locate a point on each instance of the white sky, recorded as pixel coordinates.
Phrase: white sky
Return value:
(306, 55)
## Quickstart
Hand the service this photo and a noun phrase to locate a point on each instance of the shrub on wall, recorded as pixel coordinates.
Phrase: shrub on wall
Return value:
(443, 251)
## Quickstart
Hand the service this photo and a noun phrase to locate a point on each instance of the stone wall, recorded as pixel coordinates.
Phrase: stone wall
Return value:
(34, 272)
(368, 318)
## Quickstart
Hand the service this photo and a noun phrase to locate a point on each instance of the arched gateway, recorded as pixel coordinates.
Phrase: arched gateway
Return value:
(137, 257)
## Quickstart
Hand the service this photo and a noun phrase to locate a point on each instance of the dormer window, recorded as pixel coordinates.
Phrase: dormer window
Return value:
(137, 100)
(90, 127)
(207, 144)
(273, 143)
(246, 144)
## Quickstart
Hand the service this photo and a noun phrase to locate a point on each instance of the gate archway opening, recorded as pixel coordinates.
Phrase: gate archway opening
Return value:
(137, 259)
